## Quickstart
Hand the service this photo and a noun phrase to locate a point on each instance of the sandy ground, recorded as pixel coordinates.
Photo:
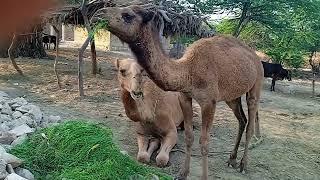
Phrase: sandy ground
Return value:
(290, 120)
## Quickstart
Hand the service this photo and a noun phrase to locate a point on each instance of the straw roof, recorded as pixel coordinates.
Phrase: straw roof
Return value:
(171, 18)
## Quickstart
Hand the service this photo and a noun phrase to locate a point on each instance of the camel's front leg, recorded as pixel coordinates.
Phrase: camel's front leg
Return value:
(207, 112)
(167, 144)
(143, 155)
(186, 106)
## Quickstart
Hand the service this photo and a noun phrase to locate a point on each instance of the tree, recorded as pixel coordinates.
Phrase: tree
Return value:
(265, 12)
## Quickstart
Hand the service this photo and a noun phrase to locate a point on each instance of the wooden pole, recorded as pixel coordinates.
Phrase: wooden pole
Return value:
(10, 51)
(57, 56)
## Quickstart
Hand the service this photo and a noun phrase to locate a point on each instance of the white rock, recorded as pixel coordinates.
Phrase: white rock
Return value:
(16, 123)
(4, 127)
(3, 99)
(27, 120)
(3, 169)
(6, 109)
(3, 94)
(24, 173)
(16, 114)
(2, 150)
(35, 113)
(7, 138)
(20, 130)
(11, 159)
(21, 139)
(5, 118)
(7, 147)
(18, 101)
(14, 176)
(54, 119)
(23, 109)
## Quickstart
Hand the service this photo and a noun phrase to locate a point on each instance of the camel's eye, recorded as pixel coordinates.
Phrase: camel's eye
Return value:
(127, 17)
(123, 72)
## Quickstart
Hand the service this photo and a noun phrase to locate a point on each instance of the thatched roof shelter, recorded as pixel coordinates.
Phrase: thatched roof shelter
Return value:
(172, 18)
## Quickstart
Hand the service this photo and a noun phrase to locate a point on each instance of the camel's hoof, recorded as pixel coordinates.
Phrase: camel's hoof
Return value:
(243, 167)
(162, 160)
(232, 163)
(143, 157)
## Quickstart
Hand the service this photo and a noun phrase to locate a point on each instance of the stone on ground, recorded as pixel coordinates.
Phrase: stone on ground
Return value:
(24, 173)
(21, 130)
(14, 176)
(11, 159)
(3, 169)
(21, 139)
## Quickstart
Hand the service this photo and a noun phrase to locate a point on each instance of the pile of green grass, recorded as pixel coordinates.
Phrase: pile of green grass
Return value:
(78, 150)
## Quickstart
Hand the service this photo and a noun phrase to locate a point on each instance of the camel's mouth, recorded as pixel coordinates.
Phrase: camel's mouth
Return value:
(136, 95)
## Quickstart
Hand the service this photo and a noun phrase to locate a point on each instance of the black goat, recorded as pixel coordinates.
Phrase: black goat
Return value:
(48, 39)
(276, 72)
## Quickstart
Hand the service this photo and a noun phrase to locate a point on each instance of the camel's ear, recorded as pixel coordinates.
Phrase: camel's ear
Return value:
(146, 15)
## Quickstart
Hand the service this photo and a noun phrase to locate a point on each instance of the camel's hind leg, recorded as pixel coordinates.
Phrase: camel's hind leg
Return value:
(253, 97)
(237, 109)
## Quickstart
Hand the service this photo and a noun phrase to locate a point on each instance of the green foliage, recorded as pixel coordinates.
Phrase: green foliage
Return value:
(294, 34)
(101, 24)
(186, 40)
(78, 150)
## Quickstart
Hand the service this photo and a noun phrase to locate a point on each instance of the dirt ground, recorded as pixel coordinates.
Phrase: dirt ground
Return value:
(290, 120)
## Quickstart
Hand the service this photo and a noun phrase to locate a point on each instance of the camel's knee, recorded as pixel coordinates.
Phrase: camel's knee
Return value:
(189, 138)
(204, 145)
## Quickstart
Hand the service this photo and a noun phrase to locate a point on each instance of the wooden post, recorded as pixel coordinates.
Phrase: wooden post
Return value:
(57, 56)
(313, 83)
(10, 51)
(80, 66)
(84, 12)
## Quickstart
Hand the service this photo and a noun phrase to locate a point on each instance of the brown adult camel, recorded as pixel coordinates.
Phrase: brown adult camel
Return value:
(158, 113)
(212, 70)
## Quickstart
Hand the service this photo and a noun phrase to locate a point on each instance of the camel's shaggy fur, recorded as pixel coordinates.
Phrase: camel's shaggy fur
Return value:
(157, 113)
(212, 70)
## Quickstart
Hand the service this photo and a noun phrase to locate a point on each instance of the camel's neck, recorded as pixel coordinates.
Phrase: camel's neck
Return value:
(166, 73)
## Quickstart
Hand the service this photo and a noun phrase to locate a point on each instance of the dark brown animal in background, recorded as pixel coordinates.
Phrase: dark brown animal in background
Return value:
(157, 113)
(276, 72)
(212, 70)
(47, 40)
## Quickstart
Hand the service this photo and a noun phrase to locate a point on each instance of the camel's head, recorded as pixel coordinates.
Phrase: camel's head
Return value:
(131, 77)
(126, 23)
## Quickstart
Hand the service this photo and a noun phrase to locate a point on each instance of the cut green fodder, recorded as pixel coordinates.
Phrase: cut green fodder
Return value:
(78, 150)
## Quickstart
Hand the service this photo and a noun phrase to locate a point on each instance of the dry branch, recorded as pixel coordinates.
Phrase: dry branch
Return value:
(11, 56)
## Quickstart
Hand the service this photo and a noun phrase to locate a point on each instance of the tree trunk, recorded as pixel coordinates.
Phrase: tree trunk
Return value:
(94, 57)
(243, 21)
(313, 68)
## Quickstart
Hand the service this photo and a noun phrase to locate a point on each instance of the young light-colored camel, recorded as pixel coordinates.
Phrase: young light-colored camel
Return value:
(157, 113)
(212, 70)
